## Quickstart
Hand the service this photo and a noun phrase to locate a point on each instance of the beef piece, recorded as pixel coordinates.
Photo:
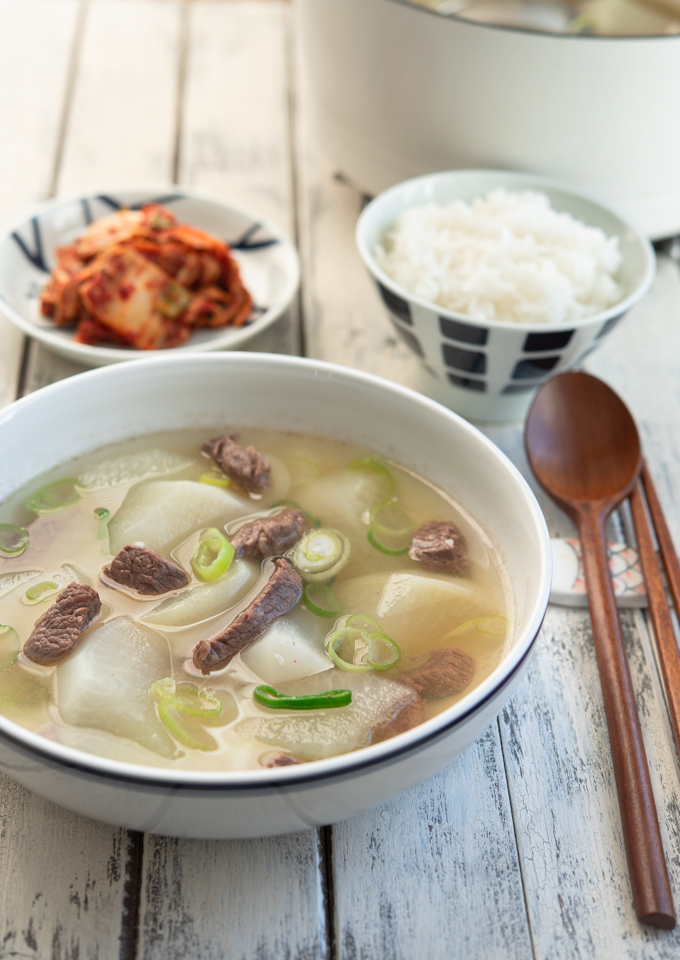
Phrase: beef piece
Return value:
(445, 672)
(143, 570)
(407, 718)
(279, 595)
(281, 760)
(439, 546)
(58, 631)
(243, 464)
(269, 536)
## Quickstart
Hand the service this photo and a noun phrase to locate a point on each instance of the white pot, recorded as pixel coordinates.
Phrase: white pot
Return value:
(400, 91)
(110, 404)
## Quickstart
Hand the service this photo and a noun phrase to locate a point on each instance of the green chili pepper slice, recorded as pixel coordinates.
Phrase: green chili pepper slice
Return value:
(374, 466)
(13, 540)
(311, 520)
(213, 555)
(320, 600)
(215, 478)
(269, 697)
(9, 645)
(53, 497)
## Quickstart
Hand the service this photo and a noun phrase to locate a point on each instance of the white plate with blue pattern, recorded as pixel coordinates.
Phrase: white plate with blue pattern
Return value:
(267, 259)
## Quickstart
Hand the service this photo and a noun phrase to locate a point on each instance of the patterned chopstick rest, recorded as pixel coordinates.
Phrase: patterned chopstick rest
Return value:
(568, 583)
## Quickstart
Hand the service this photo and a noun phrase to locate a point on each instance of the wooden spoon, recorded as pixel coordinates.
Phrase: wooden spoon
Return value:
(583, 446)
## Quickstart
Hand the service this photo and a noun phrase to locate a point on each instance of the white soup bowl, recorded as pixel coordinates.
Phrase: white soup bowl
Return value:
(74, 416)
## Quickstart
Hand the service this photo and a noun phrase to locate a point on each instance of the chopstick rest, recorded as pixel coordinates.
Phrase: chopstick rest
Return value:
(568, 582)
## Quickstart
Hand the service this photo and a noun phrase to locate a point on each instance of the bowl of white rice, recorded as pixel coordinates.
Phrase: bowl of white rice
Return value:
(497, 280)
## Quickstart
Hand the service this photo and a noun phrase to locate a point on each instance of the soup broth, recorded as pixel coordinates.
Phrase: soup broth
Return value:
(371, 622)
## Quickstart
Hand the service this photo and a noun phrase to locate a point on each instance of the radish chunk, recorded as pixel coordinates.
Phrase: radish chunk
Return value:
(341, 499)
(375, 701)
(131, 469)
(415, 610)
(162, 512)
(208, 600)
(289, 649)
(105, 683)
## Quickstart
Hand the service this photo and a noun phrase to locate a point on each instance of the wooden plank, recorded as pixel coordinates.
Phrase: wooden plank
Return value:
(242, 899)
(235, 129)
(435, 873)
(36, 38)
(344, 320)
(122, 120)
(63, 880)
(235, 138)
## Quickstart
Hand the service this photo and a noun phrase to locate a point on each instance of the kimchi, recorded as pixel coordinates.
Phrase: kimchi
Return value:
(140, 279)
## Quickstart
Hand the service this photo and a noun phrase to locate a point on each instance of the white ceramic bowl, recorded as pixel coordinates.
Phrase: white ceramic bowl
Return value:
(267, 259)
(487, 369)
(76, 415)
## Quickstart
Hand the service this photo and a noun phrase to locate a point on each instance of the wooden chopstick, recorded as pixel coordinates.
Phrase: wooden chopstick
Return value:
(669, 655)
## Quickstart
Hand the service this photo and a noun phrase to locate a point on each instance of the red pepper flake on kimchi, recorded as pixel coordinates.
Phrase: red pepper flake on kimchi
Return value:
(140, 279)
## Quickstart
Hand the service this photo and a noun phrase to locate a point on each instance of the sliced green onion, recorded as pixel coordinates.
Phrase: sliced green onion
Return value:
(358, 621)
(199, 704)
(103, 516)
(54, 496)
(213, 555)
(191, 703)
(302, 471)
(391, 529)
(215, 478)
(165, 715)
(321, 554)
(383, 653)
(320, 600)
(493, 626)
(41, 591)
(13, 540)
(353, 644)
(172, 300)
(386, 543)
(9, 646)
(358, 648)
(269, 697)
(312, 521)
(374, 466)
(163, 689)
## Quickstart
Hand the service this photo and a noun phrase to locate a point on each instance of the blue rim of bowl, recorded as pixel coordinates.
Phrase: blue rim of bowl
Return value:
(229, 339)
(530, 182)
(258, 780)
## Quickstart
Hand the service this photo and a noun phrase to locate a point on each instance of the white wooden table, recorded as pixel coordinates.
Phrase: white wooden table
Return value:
(515, 850)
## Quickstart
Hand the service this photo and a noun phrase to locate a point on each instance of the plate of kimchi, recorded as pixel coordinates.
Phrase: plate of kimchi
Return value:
(122, 273)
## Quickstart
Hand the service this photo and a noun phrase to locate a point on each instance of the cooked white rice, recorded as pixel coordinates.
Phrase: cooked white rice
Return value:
(506, 256)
